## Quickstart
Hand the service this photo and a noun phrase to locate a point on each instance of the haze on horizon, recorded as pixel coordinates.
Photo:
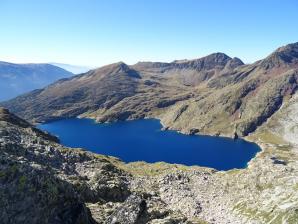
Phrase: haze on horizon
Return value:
(96, 33)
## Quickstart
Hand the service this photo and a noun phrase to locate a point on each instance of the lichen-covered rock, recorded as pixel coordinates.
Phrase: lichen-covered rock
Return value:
(41, 181)
(129, 212)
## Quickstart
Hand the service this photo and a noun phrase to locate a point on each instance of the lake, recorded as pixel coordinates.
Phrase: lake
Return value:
(143, 140)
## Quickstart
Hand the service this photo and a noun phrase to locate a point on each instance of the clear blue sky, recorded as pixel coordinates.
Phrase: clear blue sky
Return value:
(98, 32)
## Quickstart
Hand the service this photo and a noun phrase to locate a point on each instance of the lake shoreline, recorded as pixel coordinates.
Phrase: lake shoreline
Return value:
(158, 145)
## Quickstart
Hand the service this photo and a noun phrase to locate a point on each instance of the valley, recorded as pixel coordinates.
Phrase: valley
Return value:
(214, 95)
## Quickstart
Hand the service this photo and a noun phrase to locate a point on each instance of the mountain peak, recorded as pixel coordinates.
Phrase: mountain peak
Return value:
(218, 55)
(233, 63)
(210, 61)
(288, 48)
(284, 55)
(115, 67)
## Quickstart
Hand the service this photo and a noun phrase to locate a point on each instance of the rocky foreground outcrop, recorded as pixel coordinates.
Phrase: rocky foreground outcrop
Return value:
(44, 182)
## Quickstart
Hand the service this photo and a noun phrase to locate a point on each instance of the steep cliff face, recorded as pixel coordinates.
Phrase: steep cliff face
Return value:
(215, 95)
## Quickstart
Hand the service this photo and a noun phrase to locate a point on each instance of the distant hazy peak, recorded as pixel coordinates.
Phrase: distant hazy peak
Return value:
(28, 65)
(16, 79)
(75, 69)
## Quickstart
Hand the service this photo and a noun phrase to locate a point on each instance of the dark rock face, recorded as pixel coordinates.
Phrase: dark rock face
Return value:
(31, 195)
(6, 116)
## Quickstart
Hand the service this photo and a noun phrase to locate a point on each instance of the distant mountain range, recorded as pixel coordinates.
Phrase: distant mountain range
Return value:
(216, 94)
(16, 79)
(75, 69)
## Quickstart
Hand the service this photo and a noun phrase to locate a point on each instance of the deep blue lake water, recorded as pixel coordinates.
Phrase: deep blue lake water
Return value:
(143, 140)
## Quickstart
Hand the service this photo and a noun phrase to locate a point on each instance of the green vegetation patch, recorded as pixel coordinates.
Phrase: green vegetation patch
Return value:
(273, 217)
(22, 182)
(153, 169)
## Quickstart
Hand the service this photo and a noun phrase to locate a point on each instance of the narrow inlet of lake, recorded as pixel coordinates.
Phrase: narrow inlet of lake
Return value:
(143, 140)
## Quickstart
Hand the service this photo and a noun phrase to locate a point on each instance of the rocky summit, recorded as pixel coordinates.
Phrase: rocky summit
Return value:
(42, 181)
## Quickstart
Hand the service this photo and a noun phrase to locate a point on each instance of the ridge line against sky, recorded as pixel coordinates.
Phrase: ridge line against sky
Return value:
(95, 33)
